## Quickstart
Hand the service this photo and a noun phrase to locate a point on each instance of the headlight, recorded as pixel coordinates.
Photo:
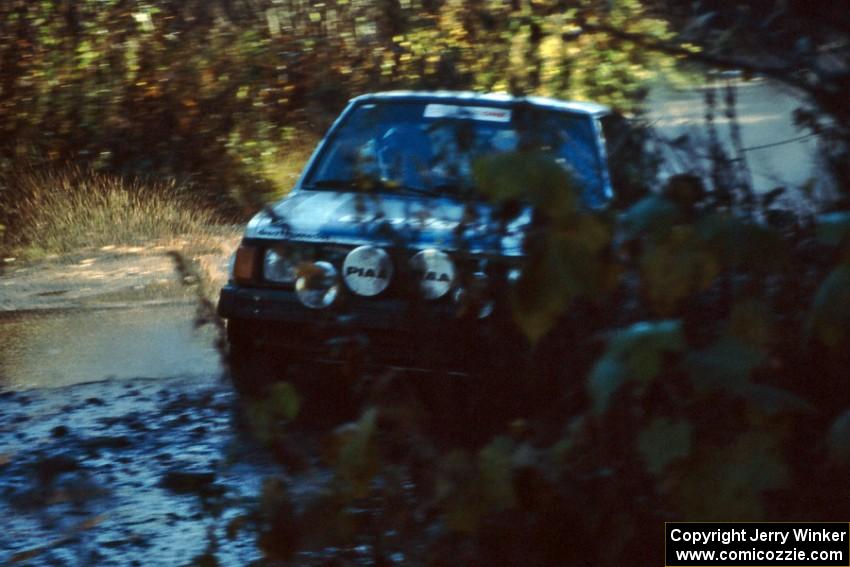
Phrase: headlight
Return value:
(280, 266)
(317, 285)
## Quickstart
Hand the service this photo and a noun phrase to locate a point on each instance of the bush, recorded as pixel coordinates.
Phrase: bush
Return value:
(700, 360)
(233, 94)
(61, 211)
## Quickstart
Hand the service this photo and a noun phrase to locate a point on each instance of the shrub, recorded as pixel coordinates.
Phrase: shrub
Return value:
(700, 361)
(231, 94)
(61, 211)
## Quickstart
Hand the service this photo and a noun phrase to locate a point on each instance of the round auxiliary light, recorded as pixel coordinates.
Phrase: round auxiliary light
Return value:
(317, 285)
(435, 272)
(367, 270)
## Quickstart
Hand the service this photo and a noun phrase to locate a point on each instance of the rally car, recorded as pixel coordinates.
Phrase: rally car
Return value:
(385, 240)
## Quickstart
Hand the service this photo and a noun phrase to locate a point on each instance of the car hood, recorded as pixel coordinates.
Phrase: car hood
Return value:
(388, 220)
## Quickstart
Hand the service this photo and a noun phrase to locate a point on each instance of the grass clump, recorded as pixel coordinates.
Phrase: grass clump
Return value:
(62, 211)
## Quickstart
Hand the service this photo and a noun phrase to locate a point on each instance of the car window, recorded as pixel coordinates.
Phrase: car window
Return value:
(431, 147)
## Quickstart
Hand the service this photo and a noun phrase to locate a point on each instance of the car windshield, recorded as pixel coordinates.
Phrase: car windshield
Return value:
(429, 148)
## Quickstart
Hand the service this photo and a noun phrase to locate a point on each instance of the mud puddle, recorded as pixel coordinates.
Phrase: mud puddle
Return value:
(126, 472)
(119, 443)
(123, 443)
(60, 348)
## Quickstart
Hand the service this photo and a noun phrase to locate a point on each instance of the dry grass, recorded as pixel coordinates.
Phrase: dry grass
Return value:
(57, 212)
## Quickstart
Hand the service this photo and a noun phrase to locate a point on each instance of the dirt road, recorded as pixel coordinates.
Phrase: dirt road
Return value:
(117, 439)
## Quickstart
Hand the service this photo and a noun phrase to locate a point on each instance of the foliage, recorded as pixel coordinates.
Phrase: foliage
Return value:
(280, 406)
(700, 361)
(231, 94)
(698, 357)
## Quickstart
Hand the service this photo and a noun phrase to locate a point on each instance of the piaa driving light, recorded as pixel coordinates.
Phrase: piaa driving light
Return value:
(435, 271)
(280, 266)
(317, 284)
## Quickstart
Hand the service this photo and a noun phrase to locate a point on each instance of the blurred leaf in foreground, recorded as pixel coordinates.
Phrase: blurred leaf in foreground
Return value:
(838, 440)
(676, 267)
(726, 364)
(834, 228)
(663, 441)
(830, 311)
(653, 215)
(530, 176)
(495, 464)
(752, 321)
(635, 353)
(357, 460)
(568, 264)
(728, 482)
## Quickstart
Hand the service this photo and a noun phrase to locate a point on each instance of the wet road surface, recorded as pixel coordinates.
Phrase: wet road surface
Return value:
(123, 443)
(118, 444)
(126, 472)
(69, 347)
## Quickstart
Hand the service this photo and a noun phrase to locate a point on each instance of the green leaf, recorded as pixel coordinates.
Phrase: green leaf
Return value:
(830, 309)
(633, 353)
(838, 440)
(459, 492)
(726, 364)
(640, 346)
(543, 293)
(833, 228)
(719, 228)
(266, 415)
(357, 459)
(654, 215)
(676, 267)
(664, 335)
(284, 397)
(662, 442)
(495, 465)
(774, 401)
(567, 264)
(751, 321)
(587, 232)
(607, 376)
(726, 482)
(739, 243)
(531, 176)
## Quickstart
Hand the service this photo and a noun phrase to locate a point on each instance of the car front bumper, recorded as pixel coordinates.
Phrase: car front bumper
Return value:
(396, 331)
(267, 304)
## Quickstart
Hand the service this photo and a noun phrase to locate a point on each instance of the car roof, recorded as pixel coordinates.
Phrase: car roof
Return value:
(590, 108)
